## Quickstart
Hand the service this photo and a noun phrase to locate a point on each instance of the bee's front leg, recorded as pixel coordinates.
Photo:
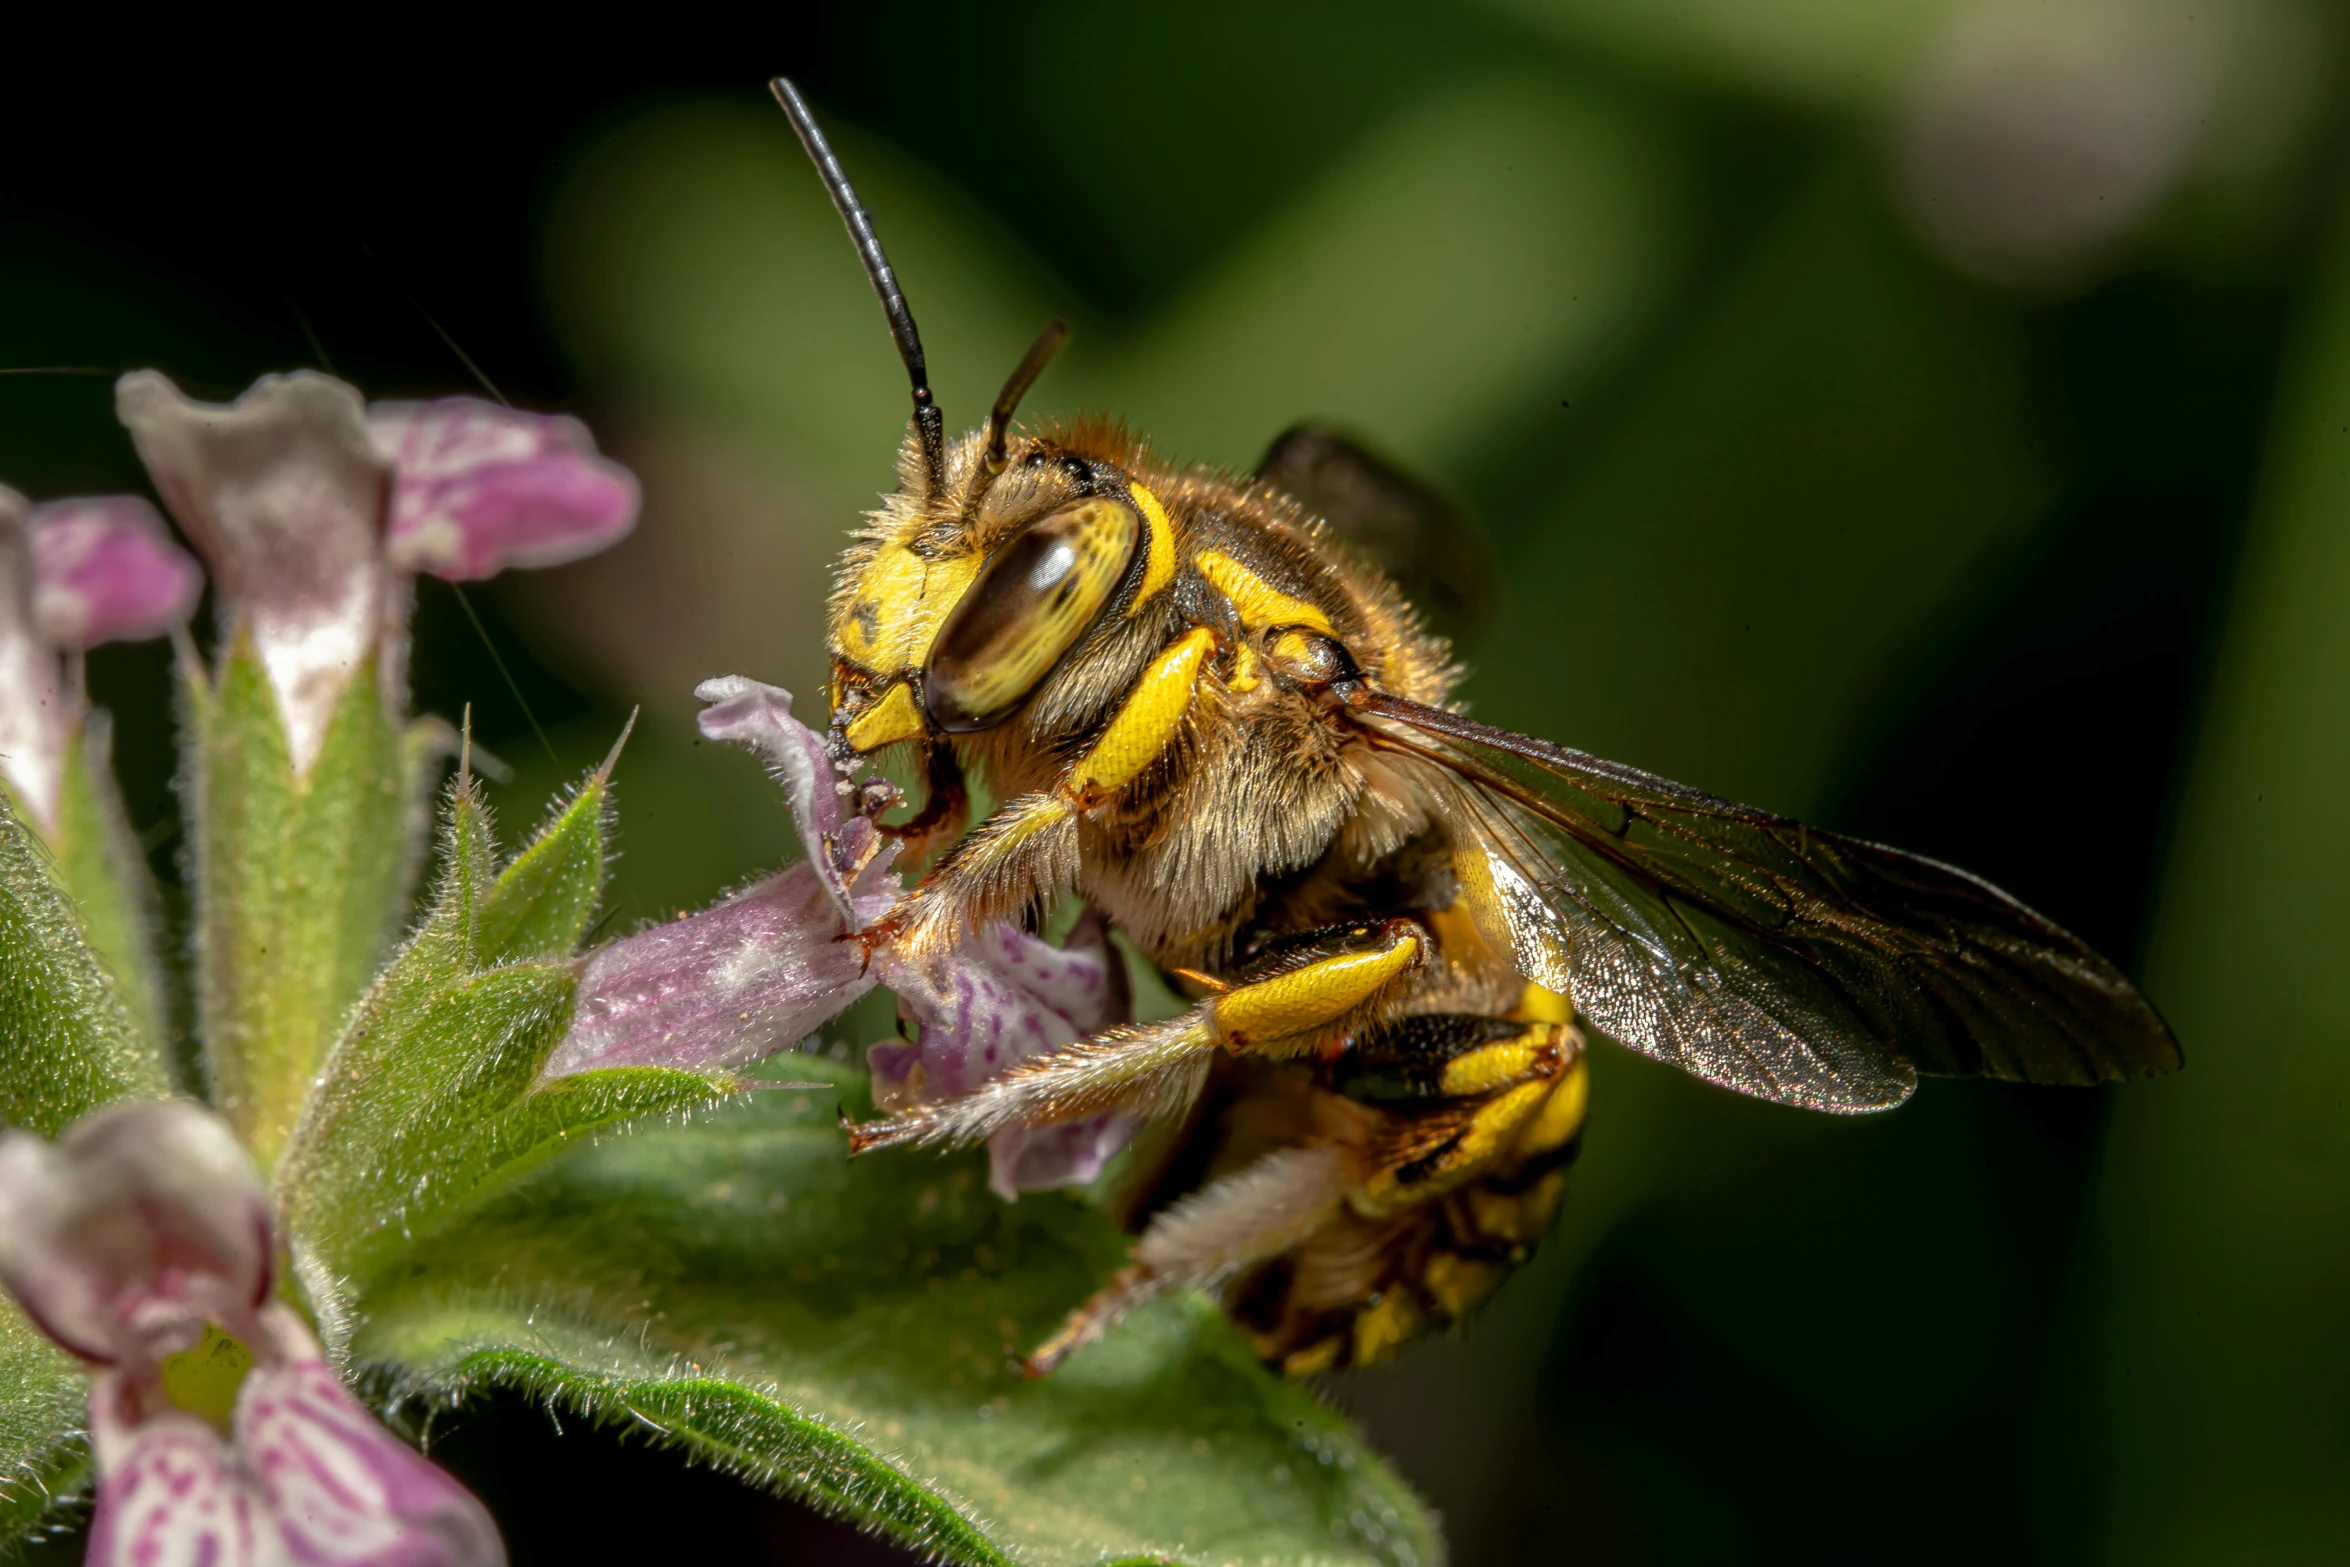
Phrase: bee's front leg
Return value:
(1025, 855)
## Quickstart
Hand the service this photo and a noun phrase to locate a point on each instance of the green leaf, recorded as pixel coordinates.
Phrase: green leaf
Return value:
(66, 1041)
(300, 882)
(845, 1332)
(43, 1401)
(430, 1092)
(96, 859)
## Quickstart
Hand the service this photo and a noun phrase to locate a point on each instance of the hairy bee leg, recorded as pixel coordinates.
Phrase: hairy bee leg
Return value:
(1153, 1069)
(1157, 1068)
(1244, 1219)
(1026, 853)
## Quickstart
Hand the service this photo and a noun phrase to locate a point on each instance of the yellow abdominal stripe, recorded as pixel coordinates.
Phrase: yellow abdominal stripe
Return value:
(1258, 601)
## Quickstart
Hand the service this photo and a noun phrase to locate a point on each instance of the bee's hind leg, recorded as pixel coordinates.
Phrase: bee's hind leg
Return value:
(1222, 1230)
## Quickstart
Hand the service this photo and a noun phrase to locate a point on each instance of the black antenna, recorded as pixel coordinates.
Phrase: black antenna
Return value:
(927, 421)
(999, 418)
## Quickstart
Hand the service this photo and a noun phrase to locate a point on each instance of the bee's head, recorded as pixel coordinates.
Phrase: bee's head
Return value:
(949, 614)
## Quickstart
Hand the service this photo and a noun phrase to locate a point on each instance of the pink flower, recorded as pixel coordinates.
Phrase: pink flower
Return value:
(140, 1240)
(314, 511)
(757, 972)
(73, 574)
(477, 488)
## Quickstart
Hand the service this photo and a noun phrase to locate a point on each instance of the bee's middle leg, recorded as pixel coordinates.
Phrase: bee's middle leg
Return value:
(1306, 1001)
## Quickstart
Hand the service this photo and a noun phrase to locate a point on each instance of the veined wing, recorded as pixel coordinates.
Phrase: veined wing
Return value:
(1760, 954)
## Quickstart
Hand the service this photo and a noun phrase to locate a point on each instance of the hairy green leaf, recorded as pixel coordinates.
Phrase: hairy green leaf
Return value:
(66, 1041)
(846, 1332)
(42, 1404)
(430, 1092)
(300, 882)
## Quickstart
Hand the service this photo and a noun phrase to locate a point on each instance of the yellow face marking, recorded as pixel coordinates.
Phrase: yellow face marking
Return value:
(1504, 1061)
(901, 601)
(1258, 601)
(1159, 569)
(1459, 1284)
(1310, 996)
(893, 718)
(1386, 1326)
(1148, 720)
(1561, 1115)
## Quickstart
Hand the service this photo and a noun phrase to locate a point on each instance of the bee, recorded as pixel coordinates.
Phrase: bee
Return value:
(1211, 719)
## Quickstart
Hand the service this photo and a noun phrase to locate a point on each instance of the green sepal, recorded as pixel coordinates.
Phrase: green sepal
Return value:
(545, 900)
(432, 1093)
(299, 881)
(67, 1042)
(96, 859)
(67, 1045)
(845, 1331)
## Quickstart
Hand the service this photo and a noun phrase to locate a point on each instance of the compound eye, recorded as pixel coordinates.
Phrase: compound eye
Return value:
(1029, 607)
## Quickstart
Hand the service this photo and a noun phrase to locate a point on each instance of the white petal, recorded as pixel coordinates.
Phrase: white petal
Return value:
(285, 496)
(132, 1230)
(33, 719)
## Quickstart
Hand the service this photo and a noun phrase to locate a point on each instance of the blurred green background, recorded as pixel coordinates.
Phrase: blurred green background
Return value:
(1928, 417)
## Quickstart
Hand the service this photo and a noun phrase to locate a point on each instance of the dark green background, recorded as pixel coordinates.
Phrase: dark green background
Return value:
(2046, 576)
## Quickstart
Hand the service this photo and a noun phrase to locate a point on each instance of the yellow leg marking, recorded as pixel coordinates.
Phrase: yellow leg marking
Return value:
(893, 718)
(1561, 1116)
(900, 602)
(1148, 720)
(1310, 996)
(1244, 669)
(1160, 569)
(1459, 1284)
(1387, 1325)
(1259, 602)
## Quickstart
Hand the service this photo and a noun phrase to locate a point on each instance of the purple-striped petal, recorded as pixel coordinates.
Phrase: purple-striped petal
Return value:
(342, 1490)
(169, 1491)
(284, 497)
(735, 983)
(305, 1476)
(131, 1231)
(480, 488)
(35, 720)
(835, 833)
(986, 1005)
(106, 569)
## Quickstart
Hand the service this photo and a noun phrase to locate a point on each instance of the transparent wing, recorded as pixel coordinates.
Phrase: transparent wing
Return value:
(1760, 954)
